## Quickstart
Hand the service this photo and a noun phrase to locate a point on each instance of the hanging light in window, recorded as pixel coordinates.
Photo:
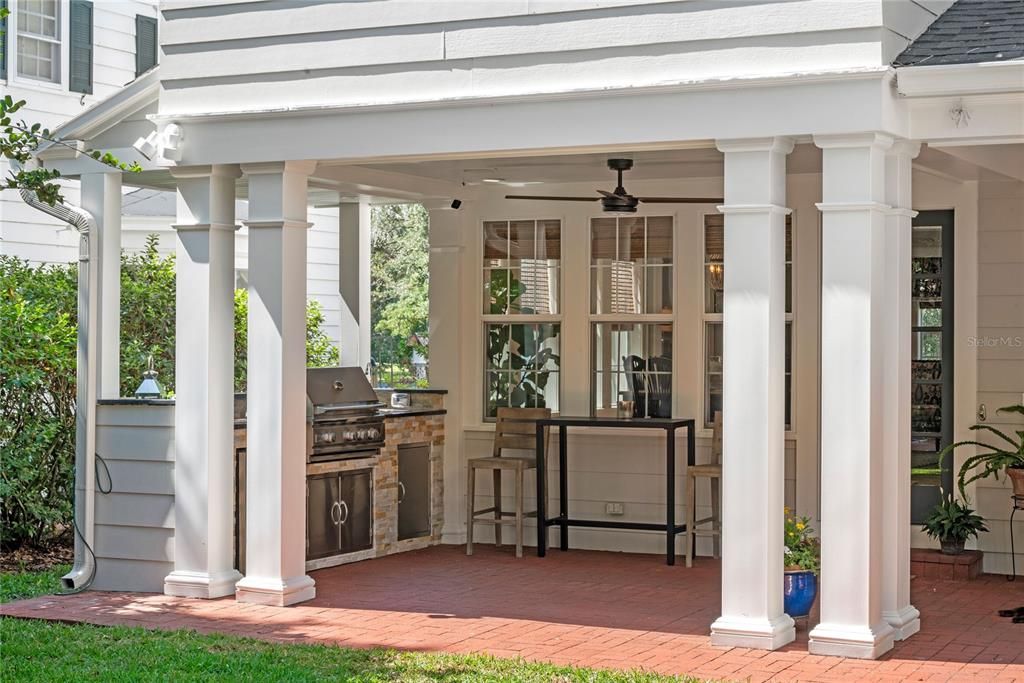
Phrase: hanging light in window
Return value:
(149, 388)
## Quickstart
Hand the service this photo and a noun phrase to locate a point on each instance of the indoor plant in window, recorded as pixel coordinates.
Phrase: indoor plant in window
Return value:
(952, 523)
(802, 561)
(1007, 454)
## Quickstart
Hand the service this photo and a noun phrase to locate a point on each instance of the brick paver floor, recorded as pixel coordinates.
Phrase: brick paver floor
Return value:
(606, 610)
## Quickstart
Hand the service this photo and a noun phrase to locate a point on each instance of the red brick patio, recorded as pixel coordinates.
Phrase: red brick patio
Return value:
(594, 609)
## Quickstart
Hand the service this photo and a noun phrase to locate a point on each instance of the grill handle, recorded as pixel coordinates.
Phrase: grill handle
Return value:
(401, 492)
(336, 518)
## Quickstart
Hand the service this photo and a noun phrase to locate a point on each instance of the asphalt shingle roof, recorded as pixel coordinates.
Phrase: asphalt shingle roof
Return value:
(970, 31)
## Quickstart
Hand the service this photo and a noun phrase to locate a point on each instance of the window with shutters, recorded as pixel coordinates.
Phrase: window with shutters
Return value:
(521, 314)
(38, 39)
(631, 283)
(714, 288)
(145, 44)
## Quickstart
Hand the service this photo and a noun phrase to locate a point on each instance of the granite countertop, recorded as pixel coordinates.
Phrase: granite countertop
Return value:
(388, 414)
(427, 390)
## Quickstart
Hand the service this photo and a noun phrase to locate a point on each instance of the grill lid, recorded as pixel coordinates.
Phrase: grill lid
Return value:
(330, 389)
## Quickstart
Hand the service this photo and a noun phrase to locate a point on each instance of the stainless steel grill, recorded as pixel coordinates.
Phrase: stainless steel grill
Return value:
(343, 414)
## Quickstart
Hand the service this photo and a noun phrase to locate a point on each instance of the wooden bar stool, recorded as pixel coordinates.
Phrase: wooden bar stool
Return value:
(713, 472)
(516, 429)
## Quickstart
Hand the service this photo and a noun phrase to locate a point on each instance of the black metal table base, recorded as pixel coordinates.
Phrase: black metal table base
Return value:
(563, 521)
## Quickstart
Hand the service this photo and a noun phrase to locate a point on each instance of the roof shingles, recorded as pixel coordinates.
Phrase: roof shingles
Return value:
(970, 31)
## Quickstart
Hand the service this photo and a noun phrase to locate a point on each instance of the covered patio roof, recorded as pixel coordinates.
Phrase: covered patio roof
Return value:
(596, 609)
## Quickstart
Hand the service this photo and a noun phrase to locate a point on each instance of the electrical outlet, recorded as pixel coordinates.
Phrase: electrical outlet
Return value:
(613, 508)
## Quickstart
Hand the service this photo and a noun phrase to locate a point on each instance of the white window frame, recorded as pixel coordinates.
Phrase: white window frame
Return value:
(13, 75)
(709, 319)
(487, 319)
(630, 318)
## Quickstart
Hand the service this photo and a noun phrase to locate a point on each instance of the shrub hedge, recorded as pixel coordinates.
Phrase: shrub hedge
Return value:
(38, 327)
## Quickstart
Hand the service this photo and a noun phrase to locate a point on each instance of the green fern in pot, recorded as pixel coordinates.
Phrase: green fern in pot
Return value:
(1007, 454)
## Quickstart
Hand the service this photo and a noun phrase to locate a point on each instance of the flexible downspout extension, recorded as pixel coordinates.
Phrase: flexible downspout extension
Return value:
(84, 569)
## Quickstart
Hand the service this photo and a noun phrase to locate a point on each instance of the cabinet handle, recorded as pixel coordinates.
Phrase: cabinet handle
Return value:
(336, 518)
(401, 492)
(344, 506)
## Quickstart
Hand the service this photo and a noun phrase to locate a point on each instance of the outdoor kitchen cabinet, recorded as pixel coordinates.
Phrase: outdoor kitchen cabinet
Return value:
(413, 491)
(339, 513)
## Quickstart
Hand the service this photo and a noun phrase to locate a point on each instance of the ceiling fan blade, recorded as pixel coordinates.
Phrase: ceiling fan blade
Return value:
(681, 200)
(552, 199)
(608, 194)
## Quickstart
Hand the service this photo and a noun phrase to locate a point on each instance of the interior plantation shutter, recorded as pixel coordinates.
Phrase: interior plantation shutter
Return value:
(3, 42)
(80, 34)
(145, 44)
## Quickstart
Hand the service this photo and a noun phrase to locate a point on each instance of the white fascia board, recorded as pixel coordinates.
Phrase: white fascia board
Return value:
(983, 78)
(867, 73)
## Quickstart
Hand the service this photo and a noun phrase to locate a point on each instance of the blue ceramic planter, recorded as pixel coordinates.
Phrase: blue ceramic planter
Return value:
(800, 588)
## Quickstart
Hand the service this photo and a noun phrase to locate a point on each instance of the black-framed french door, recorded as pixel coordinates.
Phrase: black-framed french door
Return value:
(931, 359)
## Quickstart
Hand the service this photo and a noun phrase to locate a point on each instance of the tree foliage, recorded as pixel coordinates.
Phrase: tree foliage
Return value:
(38, 335)
(400, 253)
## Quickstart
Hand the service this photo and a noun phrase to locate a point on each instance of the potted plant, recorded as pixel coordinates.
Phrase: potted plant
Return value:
(803, 561)
(952, 523)
(1007, 454)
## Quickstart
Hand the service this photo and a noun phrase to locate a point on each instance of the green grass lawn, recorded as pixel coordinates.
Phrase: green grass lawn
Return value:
(52, 652)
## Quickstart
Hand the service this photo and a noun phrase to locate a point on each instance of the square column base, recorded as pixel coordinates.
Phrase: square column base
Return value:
(275, 592)
(761, 634)
(188, 584)
(841, 640)
(905, 622)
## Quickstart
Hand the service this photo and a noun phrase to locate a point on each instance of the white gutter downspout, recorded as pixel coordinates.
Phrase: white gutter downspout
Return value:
(84, 569)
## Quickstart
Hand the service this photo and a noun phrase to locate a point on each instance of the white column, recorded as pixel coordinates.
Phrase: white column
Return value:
(753, 437)
(896, 607)
(275, 560)
(853, 345)
(101, 197)
(354, 281)
(446, 349)
(204, 384)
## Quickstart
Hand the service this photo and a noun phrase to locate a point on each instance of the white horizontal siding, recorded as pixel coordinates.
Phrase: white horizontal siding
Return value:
(230, 57)
(135, 520)
(1000, 352)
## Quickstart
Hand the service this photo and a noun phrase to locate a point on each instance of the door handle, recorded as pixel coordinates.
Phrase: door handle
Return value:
(401, 492)
(343, 506)
(336, 518)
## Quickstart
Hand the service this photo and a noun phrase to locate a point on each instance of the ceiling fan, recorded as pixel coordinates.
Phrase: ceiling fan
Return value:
(620, 201)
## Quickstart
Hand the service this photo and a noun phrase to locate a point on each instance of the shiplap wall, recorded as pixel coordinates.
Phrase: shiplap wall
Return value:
(227, 56)
(135, 521)
(1000, 350)
(25, 232)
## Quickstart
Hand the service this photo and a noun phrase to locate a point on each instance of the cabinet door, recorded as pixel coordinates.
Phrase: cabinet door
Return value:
(323, 516)
(413, 491)
(357, 510)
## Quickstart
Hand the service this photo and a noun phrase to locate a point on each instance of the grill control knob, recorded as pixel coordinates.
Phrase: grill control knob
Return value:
(327, 437)
(350, 436)
(373, 433)
(361, 435)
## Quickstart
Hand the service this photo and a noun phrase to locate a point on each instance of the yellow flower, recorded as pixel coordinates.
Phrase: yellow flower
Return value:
(799, 526)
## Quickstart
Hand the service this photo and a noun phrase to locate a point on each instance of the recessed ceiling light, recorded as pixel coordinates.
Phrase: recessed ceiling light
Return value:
(492, 180)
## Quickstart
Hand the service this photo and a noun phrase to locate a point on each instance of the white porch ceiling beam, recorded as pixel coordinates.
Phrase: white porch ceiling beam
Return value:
(372, 181)
(753, 413)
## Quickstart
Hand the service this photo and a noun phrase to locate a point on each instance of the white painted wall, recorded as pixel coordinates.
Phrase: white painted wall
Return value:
(226, 56)
(25, 232)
